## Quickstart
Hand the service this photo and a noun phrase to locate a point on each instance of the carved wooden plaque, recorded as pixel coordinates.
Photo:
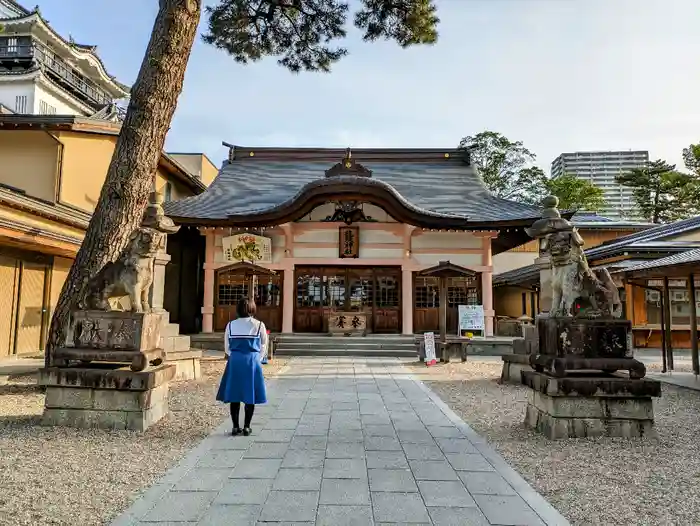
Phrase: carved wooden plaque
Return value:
(347, 322)
(349, 243)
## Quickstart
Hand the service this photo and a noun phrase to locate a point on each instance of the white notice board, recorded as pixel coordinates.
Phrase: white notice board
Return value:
(429, 339)
(471, 318)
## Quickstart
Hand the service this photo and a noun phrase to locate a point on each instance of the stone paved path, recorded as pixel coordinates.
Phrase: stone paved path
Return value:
(344, 442)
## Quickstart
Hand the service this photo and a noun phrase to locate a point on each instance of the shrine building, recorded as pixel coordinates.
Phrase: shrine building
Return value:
(316, 231)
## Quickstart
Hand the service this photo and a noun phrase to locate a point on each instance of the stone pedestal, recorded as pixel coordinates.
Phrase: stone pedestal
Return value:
(105, 396)
(178, 350)
(570, 344)
(513, 366)
(590, 406)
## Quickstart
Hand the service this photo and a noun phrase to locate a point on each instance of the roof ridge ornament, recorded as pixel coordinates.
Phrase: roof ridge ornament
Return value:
(348, 166)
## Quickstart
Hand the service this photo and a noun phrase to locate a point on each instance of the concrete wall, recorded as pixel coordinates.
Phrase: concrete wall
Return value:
(9, 91)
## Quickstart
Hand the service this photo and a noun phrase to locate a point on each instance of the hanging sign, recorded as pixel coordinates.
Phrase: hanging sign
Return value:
(429, 345)
(471, 318)
(248, 248)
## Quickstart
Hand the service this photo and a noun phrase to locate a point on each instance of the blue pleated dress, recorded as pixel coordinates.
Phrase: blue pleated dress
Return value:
(243, 379)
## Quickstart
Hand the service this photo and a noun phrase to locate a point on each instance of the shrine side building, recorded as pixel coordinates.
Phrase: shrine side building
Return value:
(316, 231)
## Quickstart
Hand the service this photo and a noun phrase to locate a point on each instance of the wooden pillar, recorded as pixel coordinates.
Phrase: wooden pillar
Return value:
(487, 285)
(443, 308)
(288, 301)
(669, 323)
(693, 326)
(209, 284)
(407, 301)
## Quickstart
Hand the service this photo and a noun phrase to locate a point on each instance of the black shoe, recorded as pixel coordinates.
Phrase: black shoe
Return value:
(236, 431)
(247, 431)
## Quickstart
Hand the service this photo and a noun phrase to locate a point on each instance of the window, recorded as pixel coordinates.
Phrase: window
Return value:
(12, 46)
(21, 104)
(46, 109)
(168, 192)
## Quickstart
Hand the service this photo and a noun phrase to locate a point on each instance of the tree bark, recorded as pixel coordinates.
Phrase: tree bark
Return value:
(131, 173)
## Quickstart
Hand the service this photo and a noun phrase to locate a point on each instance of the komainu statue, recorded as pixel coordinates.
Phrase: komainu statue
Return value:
(130, 275)
(574, 282)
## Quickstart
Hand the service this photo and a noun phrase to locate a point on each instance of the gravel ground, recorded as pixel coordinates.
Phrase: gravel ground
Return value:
(592, 482)
(61, 476)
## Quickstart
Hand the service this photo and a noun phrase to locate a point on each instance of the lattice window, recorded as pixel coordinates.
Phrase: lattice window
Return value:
(335, 292)
(309, 291)
(361, 293)
(426, 294)
(268, 294)
(387, 292)
(231, 294)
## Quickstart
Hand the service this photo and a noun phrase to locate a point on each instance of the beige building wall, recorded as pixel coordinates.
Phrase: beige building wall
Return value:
(29, 162)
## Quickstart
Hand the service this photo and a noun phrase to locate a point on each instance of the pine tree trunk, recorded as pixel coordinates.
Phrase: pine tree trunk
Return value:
(132, 170)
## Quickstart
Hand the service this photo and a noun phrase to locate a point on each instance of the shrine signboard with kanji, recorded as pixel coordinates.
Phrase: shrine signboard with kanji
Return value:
(349, 242)
(347, 323)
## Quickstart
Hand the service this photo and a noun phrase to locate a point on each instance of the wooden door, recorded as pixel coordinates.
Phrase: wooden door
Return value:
(461, 291)
(387, 300)
(359, 295)
(230, 289)
(309, 300)
(426, 304)
(31, 308)
(268, 301)
(9, 270)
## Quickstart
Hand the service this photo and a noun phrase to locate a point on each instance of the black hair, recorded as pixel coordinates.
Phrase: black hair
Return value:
(245, 308)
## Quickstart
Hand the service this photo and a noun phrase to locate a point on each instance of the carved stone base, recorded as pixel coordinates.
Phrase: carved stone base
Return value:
(105, 397)
(590, 406)
(187, 364)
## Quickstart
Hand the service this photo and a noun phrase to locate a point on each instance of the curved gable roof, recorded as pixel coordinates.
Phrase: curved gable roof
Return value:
(434, 183)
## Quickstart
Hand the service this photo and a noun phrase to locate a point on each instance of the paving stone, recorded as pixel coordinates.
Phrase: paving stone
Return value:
(303, 458)
(298, 479)
(308, 442)
(203, 479)
(458, 517)
(446, 493)
(386, 460)
(345, 450)
(346, 406)
(311, 430)
(393, 480)
(507, 510)
(346, 435)
(378, 430)
(345, 492)
(255, 468)
(375, 419)
(229, 442)
(231, 515)
(399, 507)
(376, 443)
(445, 432)
(423, 452)
(267, 450)
(415, 437)
(345, 468)
(433, 470)
(408, 425)
(292, 506)
(244, 491)
(274, 435)
(456, 445)
(222, 458)
(181, 506)
(469, 462)
(282, 423)
(344, 516)
(486, 483)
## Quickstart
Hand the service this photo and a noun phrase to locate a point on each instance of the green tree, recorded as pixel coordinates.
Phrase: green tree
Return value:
(505, 166)
(661, 193)
(302, 34)
(575, 193)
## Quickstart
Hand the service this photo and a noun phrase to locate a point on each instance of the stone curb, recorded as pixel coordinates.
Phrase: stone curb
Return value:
(539, 504)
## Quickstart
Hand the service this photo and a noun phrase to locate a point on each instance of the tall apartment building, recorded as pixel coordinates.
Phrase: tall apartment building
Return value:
(601, 168)
(41, 72)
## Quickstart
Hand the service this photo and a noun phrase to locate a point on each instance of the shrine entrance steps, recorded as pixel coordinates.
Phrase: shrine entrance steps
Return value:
(380, 345)
(390, 345)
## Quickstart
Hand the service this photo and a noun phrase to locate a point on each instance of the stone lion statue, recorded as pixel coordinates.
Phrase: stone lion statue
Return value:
(573, 280)
(130, 275)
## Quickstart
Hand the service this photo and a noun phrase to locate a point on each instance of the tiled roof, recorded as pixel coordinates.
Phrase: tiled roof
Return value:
(438, 187)
(648, 240)
(691, 256)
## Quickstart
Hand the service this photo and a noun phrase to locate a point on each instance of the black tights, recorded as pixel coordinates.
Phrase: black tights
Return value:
(236, 409)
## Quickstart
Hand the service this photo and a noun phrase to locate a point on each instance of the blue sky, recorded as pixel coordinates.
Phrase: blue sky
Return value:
(560, 75)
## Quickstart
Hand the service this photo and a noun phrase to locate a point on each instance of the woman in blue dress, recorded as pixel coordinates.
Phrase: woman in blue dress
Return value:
(243, 380)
